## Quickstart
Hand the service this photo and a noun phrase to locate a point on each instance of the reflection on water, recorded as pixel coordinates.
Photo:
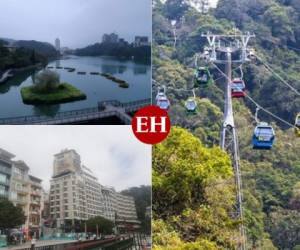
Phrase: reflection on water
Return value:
(96, 87)
(113, 69)
(48, 110)
(140, 70)
(15, 81)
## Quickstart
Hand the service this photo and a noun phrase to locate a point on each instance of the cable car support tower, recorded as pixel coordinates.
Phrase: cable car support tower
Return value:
(220, 51)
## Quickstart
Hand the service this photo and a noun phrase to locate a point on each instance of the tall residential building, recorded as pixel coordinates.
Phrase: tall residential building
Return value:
(140, 41)
(66, 161)
(76, 195)
(5, 172)
(35, 205)
(57, 44)
(22, 189)
(110, 38)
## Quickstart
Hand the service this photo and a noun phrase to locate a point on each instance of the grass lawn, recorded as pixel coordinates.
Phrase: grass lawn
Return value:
(64, 93)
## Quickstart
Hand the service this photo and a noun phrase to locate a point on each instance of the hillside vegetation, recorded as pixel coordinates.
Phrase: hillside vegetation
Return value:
(271, 179)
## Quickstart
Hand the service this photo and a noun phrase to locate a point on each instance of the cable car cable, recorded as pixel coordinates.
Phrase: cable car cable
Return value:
(278, 76)
(258, 105)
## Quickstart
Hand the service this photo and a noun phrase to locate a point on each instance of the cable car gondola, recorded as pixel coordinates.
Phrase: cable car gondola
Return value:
(163, 102)
(202, 77)
(297, 125)
(263, 136)
(238, 88)
(191, 106)
(160, 93)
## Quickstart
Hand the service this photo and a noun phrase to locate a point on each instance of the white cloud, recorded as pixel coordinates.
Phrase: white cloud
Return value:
(116, 157)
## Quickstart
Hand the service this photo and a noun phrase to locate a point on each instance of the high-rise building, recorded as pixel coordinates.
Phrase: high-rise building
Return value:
(110, 38)
(66, 161)
(22, 189)
(76, 195)
(140, 41)
(57, 44)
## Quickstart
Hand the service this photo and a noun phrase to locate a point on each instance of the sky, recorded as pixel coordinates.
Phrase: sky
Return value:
(77, 23)
(113, 153)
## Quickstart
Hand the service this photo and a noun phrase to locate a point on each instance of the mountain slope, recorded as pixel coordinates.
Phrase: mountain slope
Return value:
(271, 178)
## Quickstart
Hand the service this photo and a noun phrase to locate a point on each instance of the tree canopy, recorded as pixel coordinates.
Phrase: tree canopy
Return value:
(11, 216)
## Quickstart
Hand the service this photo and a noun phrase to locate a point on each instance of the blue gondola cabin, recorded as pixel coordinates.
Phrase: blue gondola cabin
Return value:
(263, 136)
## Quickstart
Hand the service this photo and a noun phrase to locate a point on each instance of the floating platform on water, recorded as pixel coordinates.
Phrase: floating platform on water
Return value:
(122, 83)
(81, 73)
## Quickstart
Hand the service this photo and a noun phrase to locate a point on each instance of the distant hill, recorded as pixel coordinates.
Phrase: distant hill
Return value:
(42, 48)
(8, 40)
(117, 50)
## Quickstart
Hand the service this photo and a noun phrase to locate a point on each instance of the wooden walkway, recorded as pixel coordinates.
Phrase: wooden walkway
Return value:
(105, 109)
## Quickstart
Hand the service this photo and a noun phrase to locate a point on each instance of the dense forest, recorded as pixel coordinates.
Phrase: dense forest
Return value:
(189, 167)
(25, 53)
(120, 50)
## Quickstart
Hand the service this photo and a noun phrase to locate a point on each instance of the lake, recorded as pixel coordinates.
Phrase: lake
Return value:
(96, 87)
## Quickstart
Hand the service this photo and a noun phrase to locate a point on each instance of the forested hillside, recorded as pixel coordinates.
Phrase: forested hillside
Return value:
(271, 179)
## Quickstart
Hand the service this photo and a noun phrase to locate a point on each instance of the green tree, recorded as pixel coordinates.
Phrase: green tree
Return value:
(192, 191)
(11, 216)
(105, 226)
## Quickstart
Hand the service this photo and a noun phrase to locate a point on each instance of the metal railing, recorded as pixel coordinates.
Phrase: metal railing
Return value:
(108, 244)
(78, 115)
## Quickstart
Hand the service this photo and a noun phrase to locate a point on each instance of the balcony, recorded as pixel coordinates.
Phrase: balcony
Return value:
(34, 212)
(22, 191)
(35, 202)
(21, 201)
(35, 184)
(36, 193)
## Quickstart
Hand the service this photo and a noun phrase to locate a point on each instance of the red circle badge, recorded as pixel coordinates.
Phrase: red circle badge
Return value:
(151, 124)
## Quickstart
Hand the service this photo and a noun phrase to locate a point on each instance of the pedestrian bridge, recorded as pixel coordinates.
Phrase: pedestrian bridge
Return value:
(104, 109)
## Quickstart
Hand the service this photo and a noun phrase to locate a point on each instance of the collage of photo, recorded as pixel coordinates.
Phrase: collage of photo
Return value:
(150, 124)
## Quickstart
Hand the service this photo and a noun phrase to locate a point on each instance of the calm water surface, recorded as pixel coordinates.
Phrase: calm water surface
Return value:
(97, 88)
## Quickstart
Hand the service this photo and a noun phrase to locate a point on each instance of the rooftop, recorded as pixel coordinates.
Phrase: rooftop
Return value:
(5, 154)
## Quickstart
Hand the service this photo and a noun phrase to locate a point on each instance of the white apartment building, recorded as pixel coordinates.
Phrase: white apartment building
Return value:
(120, 209)
(76, 195)
(22, 189)
(141, 41)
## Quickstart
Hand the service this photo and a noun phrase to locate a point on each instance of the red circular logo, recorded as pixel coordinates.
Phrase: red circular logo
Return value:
(151, 124)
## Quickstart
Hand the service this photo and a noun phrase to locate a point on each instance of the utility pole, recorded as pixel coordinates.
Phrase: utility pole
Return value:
(229, 139)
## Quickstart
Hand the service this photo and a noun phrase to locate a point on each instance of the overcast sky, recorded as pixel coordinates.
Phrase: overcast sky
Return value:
(113, 153)
(77, 23)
